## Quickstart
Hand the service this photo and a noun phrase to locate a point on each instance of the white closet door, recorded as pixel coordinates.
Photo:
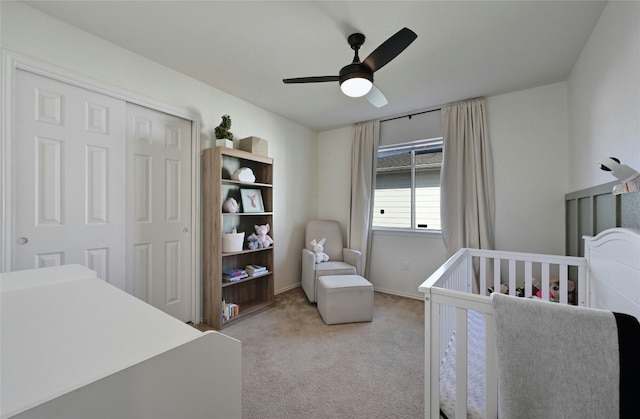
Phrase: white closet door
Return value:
(159, 196)
(69, 178)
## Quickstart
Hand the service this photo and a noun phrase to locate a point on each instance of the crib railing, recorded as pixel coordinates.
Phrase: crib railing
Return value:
(451, 291)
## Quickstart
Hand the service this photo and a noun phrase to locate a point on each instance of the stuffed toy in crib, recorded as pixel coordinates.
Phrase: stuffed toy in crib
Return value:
(554, 290)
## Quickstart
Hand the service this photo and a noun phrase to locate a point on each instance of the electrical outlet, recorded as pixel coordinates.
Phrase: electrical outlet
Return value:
(405, 265)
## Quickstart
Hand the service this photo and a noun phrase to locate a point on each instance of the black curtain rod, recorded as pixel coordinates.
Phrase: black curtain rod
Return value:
(410, 115)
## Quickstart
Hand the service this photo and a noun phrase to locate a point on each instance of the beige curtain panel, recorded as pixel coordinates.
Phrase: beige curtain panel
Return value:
(467, 187)
(364, 158)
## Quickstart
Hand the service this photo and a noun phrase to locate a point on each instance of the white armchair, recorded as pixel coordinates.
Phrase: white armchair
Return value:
(342, 261)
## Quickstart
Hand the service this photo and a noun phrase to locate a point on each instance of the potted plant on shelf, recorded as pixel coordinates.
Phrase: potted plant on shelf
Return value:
(224, 137)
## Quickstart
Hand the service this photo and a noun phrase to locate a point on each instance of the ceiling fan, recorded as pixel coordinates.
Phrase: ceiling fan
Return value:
(356, 79)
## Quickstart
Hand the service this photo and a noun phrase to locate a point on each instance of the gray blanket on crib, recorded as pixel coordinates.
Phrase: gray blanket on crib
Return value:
(558, 361)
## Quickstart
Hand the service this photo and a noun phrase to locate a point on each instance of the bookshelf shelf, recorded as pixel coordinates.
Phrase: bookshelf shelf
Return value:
(239, 183)
(249, 278)
(248, 309)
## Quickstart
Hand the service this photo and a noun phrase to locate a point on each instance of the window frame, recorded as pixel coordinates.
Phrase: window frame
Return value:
(431, 144)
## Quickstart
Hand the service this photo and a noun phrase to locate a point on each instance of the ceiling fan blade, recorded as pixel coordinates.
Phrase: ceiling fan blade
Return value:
(317, 79)
(390, 49)
(376, 98)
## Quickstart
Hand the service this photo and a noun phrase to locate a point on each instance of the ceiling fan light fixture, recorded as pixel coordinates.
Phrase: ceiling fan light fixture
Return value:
(356, 86)
(356, 80)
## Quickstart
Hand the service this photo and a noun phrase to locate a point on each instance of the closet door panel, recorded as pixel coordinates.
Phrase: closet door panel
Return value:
(159, 230)
(69, 177)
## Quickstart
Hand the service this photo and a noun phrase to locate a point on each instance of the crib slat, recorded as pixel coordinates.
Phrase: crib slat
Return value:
(564, 291)
(432, 359)
(447, 317)
(528, 279)
(491, 374)
(461, 363)
(468, 274)
(545, 281)
(582, 287)
(512, 277)
(496, 274)
(483, 276)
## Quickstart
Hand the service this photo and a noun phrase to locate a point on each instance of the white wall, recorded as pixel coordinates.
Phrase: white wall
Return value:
(529, 139)
(334, 175)
(422, 126)
(604, 97)
(293, 147)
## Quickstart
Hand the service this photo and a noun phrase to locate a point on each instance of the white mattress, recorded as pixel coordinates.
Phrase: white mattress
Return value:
(475, 370)
(62, 328)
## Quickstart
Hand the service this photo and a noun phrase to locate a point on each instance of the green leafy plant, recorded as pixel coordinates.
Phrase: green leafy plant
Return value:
(222, 130)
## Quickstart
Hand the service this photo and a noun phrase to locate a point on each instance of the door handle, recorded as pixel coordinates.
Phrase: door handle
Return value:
(22, 240)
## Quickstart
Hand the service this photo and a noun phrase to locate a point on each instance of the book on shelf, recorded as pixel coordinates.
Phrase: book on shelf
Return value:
(230, 275)
(255, 269)
(229, 311)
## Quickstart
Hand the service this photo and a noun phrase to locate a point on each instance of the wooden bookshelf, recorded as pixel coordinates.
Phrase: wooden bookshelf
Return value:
(255, 293)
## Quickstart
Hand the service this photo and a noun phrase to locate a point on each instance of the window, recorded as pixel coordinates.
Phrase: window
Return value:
(407, 192)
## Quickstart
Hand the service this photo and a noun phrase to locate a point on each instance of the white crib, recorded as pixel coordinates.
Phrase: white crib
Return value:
(607, 277)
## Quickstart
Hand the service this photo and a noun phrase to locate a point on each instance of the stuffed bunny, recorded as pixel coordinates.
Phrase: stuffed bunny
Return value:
(318, 249)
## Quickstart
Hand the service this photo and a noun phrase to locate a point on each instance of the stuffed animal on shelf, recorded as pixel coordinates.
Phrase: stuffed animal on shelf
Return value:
(254, 242)
(318, 249)
(244, 174)
(230, 205)
(263, 237)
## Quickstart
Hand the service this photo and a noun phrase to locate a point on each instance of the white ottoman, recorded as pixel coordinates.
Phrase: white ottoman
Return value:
(345, 299)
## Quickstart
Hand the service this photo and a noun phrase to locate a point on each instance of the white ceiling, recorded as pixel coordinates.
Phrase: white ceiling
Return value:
(464, 49)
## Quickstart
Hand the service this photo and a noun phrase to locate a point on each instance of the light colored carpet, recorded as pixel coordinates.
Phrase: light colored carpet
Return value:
(295, 366)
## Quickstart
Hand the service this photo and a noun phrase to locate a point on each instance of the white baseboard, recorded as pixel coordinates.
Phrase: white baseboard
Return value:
(290, 287)
(382, 290)
(399, 294)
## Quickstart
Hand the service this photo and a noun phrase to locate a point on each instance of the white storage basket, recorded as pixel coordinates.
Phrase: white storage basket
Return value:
(232, 242)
